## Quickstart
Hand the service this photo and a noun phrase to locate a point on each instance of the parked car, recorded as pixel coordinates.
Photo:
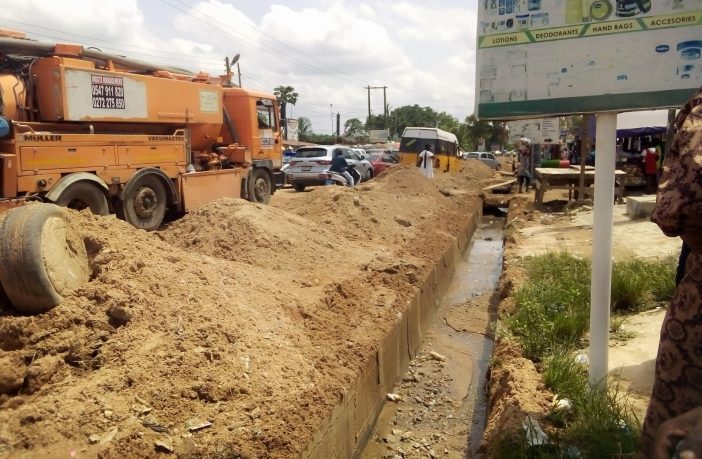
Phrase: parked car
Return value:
(381, 161)
(486, 157)
(309, 162)
(361, 152)
(382, 151)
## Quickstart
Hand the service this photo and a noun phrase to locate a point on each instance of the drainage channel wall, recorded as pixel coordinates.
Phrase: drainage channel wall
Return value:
(346, 431)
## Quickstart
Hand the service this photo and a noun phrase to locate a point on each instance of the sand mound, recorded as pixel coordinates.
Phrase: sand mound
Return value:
(237, 230)
(516, 391)
(232, 332)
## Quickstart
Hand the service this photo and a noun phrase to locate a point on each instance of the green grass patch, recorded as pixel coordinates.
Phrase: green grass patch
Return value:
(564, 375)
(553, 307)
(604, 424)
(550, 320)
(598, 422)
(638, 285)
(616, 328)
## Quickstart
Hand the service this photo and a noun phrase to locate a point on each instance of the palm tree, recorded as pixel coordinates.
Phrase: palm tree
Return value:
(304, 128)
(285, 95)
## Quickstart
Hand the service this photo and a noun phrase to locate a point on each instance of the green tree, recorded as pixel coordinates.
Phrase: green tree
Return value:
(304, 129)
(375, 122)
(353, 127)
(572, 124)
(285, 95)
(472, 129)
(322, 139)
(413, 115)
(447, 122)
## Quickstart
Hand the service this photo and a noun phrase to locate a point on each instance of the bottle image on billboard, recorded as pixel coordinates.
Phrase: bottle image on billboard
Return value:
(629, 8)
(600, 10)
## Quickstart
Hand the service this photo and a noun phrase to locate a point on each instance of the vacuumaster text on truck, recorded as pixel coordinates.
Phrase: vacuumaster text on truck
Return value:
(83, 129)
(87, 129)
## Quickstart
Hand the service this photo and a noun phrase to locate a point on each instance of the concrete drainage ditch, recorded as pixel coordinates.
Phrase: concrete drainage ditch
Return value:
(423, 395)
(441, 406)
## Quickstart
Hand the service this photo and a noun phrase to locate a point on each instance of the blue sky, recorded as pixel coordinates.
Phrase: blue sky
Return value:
(329, 50)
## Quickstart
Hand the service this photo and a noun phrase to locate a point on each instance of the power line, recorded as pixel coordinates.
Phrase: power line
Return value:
(252, 79)
(285, 45)
(126, 45)
(251, 41)
(158, 59)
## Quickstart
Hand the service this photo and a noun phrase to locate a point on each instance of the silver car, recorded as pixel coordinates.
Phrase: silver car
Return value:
(310, 162)
(486, 157)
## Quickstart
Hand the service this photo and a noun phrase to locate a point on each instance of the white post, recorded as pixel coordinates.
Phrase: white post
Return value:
(605, 163)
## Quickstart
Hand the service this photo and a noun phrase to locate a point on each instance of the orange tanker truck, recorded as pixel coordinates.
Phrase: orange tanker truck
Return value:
(80, 128)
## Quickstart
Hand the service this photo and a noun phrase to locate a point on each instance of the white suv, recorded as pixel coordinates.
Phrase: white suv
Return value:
(309, 162)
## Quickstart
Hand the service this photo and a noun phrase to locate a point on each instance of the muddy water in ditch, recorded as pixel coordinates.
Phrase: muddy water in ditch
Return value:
(440, 411)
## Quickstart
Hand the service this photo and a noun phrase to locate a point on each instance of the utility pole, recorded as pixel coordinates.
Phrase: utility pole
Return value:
(331, 115)
(338, 131)
(369, 112)
(385, 104)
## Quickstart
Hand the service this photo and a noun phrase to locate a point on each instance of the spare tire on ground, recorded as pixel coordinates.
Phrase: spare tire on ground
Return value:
(42, 256)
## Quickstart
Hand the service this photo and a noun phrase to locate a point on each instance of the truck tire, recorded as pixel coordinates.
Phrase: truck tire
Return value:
(84, 195)
(298, 187)
(259, 186)
(42, 256)
(145, 205)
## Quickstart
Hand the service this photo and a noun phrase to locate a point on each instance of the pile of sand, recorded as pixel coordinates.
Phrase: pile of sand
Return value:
(232, 332)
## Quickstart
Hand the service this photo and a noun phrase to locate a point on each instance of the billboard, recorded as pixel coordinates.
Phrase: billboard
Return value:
(554, 57)
(291, 128)
(540, 130)
(378, 135)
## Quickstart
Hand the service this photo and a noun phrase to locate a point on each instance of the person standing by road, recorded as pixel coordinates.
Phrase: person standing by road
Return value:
(425, 161)
(650, 159)
(339, 165)
(677, 386)
(523, 165)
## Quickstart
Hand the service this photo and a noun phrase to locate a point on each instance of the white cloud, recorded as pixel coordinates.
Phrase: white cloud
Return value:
(329, 50)
(435, 24)
(89, 18)
(335, 40)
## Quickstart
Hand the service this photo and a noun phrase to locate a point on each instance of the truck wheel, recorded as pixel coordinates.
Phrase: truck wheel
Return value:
(298, 187)
(84, 195)
(145, 206)
(41, 257)
(259, 186)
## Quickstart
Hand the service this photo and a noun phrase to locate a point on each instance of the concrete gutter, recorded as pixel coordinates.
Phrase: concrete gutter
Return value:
(345, 433)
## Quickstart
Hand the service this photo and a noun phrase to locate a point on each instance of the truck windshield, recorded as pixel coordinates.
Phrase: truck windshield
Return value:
(265, 113)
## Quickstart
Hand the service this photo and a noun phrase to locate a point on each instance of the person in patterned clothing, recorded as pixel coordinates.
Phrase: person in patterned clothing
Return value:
(677, 387)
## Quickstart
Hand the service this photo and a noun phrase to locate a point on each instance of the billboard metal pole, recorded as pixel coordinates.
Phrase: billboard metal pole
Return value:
(603, 218)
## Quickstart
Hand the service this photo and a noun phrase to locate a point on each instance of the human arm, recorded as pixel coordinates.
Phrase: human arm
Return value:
(686, 427)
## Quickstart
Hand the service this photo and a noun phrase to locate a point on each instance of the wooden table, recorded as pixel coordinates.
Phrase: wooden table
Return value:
(550, 178)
